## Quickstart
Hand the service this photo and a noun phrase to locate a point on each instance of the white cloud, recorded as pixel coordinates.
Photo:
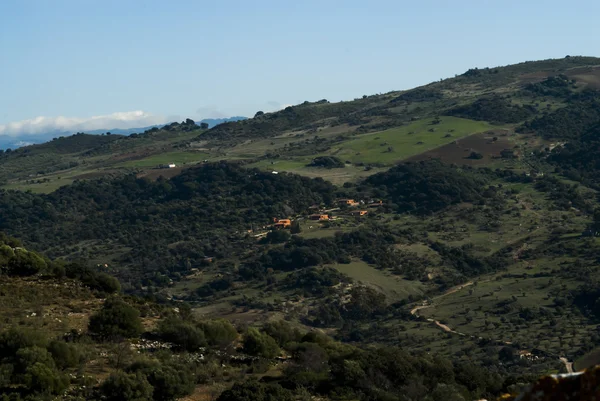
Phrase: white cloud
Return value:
(42, 125)
(276, 106)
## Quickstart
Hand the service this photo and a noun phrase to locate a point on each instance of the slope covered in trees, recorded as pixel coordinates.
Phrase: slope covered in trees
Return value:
(426, 187)
(197, 210)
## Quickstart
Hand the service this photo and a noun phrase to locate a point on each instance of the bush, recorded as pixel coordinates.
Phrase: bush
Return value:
(282, 332)
(183, 334)
(26, 263)
(65, 355)
(219, 332)
(107, 283)
(260, 344)
(475, 156)
(16, 338)
(116, 319)
(126, 387)
(44, 379)
(170, 383)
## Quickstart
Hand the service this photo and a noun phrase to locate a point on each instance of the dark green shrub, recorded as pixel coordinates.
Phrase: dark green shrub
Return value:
(116, 319)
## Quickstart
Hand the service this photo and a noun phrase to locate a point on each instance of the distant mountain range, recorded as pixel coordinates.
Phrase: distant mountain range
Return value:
(216, 121)
(30, 139)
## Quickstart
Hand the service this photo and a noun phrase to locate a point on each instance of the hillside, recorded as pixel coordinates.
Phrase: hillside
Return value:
(368, 134)
(440, 243)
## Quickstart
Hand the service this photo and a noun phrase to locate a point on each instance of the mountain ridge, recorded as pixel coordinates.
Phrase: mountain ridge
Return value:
(22, 140)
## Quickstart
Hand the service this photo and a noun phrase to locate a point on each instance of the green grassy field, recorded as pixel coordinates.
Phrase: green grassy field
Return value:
(372, 148)
(406, 141)
(394, 287)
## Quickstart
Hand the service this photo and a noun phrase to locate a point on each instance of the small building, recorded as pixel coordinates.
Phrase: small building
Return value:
(378, 203)
(348, 202)
(319, 217)
(359, 212)
(282, 223)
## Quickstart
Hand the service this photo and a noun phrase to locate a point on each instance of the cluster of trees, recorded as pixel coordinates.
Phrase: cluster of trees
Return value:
(565, 196)
(559, 86)
(579, 159)
(570, 122)
(199, 210)
(322, 367)
(463, 260)
(33, 366)
(327, 162)
(314, 281)
(426, 187)
(15, 260)
(370, 243)
(419, 95)
(190, 335)
(493, 109)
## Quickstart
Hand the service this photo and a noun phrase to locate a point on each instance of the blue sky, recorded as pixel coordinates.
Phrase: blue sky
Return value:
(169, 60)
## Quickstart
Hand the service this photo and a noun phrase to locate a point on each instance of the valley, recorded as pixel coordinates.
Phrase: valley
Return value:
(440, 242)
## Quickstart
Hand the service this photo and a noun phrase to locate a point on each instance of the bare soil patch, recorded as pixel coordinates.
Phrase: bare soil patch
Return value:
(458, 152)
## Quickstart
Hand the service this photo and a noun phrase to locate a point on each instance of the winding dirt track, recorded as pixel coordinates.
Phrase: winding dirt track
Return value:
(446, 328)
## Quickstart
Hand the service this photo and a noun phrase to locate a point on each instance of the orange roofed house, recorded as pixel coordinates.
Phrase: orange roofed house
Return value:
(347, 202)
(319, 217)
(282, 223)
(359, 212)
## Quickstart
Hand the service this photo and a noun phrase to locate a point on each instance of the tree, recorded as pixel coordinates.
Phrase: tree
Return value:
(170, 383)
(116, 319)
(475, 156)
(327, 162)
(259, 344)
(64, 355)
(184, 334)
(219, 332)
(277, 236)
(282, 332)
(44, 379)
(121, 386)
(253, 390)
(295, 228)
(25, 263)
(203, 125)
(365, 302)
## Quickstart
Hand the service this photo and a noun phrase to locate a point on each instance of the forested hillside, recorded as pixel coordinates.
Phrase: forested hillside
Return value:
(439, 243)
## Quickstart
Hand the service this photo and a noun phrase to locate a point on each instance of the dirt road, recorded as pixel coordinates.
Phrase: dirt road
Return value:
(448, 329)
(447, 292)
